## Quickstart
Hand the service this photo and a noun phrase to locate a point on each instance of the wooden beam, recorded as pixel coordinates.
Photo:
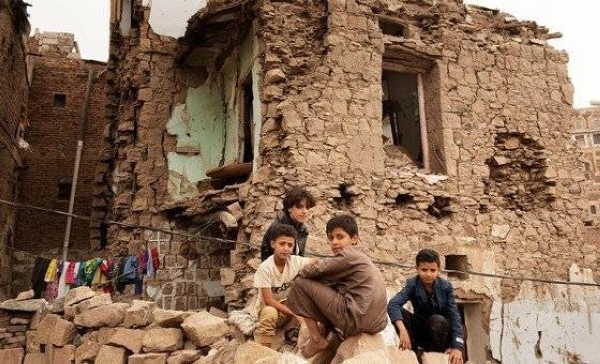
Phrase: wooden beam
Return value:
(423, 122)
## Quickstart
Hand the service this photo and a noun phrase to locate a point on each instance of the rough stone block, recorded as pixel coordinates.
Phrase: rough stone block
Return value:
(128, 338)
(86, 352)
(139, 314)
(358, 345)
(64, 355)
(27, 306)
(83, 306)
(401, 356)
(183, 357)
(434, 358)
(25, 295)
(251, 352)
(55, 330)
(161, 339)
(12, 356)
(205, 329)
(35, 358)
(78, 294)
(151, 358)
(110, 315)
(111, 355)
(169, 318)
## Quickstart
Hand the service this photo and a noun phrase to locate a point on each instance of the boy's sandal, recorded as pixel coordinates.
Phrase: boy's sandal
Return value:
(291, 335)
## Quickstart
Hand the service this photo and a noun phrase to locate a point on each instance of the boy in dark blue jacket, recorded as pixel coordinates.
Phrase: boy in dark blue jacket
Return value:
(435, 324)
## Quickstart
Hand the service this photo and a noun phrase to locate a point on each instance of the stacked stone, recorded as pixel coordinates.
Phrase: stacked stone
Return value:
(87, 327)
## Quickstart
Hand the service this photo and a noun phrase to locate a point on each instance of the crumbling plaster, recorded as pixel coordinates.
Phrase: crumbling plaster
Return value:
(557, 324)
(206, 126)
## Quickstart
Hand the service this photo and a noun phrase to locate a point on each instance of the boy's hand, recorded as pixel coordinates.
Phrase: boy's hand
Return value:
(455, 356)
(403, 334)
(404, 340)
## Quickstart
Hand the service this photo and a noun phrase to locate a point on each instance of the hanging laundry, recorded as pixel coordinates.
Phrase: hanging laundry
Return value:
(80, 276)
(142, 261)
(38, 283)
(90, 270)
(150, 266)
(70, 273)
(51, 271)
(51, 291)
(63, 288)
(155, 259)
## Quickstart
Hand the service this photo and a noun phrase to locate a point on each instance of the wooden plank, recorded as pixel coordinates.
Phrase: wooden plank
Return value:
(230, 171)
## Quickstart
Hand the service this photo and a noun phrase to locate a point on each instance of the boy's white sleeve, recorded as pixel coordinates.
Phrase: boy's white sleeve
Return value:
(262, 278)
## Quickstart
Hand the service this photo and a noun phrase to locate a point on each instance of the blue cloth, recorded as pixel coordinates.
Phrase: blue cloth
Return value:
(130, 268)
(414, 291)
(149, 265)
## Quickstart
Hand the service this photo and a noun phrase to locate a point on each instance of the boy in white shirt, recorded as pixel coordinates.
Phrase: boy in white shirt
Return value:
(273, 279)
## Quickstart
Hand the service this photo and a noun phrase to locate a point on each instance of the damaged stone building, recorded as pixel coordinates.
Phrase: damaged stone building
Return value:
(14, 29)
(434, 123)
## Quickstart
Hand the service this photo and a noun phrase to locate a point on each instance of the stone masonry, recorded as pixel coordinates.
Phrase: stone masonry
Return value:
(14, 89)
(492, 187)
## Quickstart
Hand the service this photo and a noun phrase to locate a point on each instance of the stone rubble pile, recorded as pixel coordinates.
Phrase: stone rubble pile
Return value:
(87, 327)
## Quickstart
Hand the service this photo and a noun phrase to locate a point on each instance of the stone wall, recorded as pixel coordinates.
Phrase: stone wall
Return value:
(56, 100)
(497, 100)
(13, 113)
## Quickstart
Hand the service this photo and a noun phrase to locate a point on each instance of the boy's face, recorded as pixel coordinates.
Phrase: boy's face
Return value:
(428, 272)
(282, 247)
(340, 239)
(299, 212)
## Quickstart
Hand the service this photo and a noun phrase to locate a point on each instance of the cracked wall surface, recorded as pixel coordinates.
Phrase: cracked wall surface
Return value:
(318, 68)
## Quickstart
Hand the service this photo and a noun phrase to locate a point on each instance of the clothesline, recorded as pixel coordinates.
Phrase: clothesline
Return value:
(256, 246)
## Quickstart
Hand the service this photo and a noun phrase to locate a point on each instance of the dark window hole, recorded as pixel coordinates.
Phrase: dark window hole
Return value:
(346, 200)
(457, 262)
(404, 199)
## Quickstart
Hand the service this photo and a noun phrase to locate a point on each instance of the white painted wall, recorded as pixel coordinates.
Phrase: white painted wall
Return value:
(563, 322)
(170, 17)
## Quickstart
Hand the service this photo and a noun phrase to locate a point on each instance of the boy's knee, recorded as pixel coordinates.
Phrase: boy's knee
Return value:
(439, 323)
(268, 314)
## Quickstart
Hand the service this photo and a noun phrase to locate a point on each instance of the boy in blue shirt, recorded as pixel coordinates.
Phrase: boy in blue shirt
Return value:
(436, 324)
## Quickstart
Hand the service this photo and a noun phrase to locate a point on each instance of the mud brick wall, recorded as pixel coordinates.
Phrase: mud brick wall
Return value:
(53, 136)
(13, 109)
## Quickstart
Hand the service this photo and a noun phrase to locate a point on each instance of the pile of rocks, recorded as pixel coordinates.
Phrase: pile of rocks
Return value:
(88, 327)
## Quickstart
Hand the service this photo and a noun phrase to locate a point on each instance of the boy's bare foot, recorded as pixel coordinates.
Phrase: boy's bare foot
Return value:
(311, 348)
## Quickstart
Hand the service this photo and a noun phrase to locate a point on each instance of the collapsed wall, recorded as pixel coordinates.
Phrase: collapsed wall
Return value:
(359, 102)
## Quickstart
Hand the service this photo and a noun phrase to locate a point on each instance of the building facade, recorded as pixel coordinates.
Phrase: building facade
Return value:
(57, 99)
(435, 124)
(586, 133)
(14, 88)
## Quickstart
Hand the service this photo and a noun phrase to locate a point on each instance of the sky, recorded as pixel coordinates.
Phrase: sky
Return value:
(89, 19)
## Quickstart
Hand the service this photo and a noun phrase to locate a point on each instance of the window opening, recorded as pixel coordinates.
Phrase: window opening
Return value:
(401, 119)
(593, 210)
(60, 100)
(64, 190)
(596, 124)
(596, 139)
(457, 262)
(246, 122)
(580, 139)
(392, 28)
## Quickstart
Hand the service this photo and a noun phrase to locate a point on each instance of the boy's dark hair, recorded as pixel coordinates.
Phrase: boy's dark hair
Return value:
(345, 222)
(277, 230)
(428, 256)
(295, 196)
